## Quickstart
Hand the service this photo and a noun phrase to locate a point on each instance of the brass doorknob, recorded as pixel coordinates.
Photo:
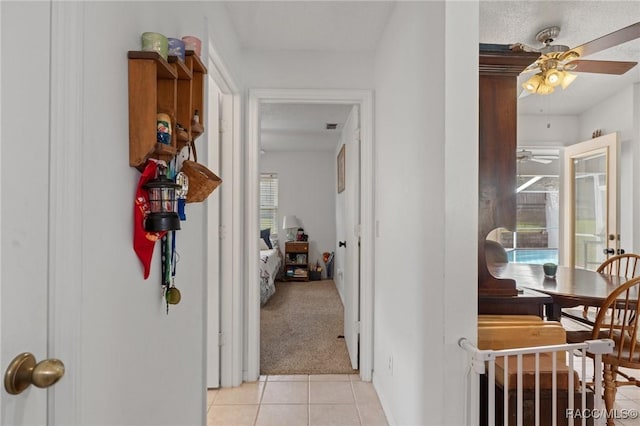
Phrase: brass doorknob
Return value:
(23, 371)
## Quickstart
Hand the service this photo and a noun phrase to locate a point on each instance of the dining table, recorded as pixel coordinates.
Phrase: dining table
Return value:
(570, 287)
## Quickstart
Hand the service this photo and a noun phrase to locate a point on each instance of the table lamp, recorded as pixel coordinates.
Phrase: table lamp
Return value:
(290, 225)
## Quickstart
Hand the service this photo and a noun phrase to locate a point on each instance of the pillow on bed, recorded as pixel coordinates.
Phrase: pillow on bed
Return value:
(262, 244)
(264, 234)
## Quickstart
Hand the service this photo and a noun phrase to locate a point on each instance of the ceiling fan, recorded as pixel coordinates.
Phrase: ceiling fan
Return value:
(556, 61)
(525, 155)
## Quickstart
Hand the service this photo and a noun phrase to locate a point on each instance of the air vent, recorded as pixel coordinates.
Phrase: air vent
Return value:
(332, 126)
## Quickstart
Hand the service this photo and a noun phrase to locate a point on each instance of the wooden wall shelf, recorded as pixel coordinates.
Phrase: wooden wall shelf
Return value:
(172, 86)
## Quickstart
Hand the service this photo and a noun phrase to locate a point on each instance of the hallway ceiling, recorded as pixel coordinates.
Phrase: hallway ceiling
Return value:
(301, 127)
(343, 26)
(340, 26)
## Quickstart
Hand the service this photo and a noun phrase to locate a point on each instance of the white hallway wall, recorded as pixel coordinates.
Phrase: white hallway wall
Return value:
(409, 193)
(125, 329)
(412, 196)
(426, 211)
(306, 181)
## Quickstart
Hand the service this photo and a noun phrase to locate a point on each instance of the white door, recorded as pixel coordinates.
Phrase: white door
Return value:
(352, 233)
(590, 197)
(25, 202)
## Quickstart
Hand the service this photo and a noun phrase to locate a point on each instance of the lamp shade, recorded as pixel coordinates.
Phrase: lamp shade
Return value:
(290, 222)
(553, 77)
(533, 83)
(568, 79)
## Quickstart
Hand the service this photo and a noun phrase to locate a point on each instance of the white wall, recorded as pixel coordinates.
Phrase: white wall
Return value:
(614, 114)
(461, 212)
(306, 181)
(547, 131)
(418, 219)
(148, 362)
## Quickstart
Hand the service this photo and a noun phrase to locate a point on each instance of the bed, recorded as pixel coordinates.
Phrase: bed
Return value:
(270, 262)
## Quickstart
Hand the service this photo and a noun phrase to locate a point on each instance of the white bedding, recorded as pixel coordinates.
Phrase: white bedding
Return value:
(270, 261)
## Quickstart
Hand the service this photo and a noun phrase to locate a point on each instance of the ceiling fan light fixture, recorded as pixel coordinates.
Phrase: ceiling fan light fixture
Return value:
(553, 77)
(544, 89)
(533, 83)
(569, 55)
(567, 79)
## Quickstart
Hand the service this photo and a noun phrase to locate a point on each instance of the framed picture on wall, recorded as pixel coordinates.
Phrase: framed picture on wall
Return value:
(341, 170)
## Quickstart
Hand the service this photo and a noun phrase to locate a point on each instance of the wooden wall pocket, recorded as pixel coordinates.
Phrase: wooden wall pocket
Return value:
(173, 87)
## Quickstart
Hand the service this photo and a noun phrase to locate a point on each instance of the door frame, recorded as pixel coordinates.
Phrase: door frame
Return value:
(364, 99)
(226, 305)
(610, 145)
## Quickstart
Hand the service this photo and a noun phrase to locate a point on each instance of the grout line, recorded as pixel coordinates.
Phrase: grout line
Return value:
(355, 402)
(309, 400)
(255, 421)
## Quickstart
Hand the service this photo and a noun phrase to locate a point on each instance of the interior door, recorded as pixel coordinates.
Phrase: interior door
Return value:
(24, 190)
(352, 227)
(590, 197)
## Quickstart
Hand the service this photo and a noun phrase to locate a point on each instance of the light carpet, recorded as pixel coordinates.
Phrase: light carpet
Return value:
(301, 328)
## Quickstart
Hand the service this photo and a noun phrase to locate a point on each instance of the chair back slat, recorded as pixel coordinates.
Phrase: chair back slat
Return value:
(618, 320)
(623, 265)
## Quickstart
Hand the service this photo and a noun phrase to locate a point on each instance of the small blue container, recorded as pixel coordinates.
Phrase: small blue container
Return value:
(176, 48)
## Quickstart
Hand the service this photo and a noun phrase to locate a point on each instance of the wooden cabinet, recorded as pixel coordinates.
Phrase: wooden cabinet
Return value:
(498, 101)
(157, 86)
(296, 261)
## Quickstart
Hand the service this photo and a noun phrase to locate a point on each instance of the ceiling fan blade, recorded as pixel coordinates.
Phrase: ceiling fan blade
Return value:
(539, 160)
(601, 67)
(615, 38)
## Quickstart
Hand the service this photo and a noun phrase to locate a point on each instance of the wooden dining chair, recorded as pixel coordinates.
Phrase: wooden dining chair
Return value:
(617, 319)
(623, 265)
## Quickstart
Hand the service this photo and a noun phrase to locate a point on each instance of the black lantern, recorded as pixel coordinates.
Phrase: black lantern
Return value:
(162, 204)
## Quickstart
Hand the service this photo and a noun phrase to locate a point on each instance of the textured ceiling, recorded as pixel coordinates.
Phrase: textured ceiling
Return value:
(507, 22)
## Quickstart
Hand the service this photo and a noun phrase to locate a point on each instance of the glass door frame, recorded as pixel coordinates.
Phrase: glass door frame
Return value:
(609, 146)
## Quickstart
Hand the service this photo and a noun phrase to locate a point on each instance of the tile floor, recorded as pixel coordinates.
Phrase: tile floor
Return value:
(344, 400)
(297, 400)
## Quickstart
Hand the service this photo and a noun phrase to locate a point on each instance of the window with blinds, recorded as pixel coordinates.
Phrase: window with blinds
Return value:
(269, 201)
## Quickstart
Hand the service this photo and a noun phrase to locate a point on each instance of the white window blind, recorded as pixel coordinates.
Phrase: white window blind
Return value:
(269, 201)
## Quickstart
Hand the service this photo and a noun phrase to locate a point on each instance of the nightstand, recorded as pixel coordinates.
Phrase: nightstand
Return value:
(296, 261)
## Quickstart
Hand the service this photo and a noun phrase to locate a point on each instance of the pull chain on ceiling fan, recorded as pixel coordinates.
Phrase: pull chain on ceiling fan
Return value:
(556, 61)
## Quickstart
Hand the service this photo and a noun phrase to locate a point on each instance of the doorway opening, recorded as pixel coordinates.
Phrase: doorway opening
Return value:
(302, 218)
(364, 302)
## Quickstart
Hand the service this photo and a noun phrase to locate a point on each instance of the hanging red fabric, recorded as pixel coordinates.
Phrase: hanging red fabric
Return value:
(144, 241)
